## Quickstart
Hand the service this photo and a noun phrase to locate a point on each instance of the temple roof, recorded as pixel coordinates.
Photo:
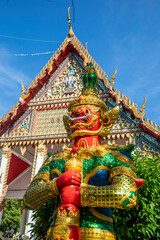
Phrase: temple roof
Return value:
(70, 44)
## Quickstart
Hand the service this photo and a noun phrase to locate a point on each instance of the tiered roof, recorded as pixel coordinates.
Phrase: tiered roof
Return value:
(71, 43)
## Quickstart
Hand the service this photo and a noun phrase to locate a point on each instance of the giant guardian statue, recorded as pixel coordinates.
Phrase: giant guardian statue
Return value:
(90, 178)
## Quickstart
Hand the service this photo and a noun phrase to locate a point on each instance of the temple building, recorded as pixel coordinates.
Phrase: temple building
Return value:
(34, 125)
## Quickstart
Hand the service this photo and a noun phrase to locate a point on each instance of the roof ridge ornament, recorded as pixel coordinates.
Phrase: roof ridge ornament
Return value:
(23, 89)
(142, 108)
(111, 80)
(70, 33)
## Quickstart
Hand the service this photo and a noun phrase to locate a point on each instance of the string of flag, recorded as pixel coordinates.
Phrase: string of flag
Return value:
(26, 54)
(29, 39)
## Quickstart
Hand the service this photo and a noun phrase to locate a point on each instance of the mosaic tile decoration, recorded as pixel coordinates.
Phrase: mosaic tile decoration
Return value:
(50, 121)
(23, 128)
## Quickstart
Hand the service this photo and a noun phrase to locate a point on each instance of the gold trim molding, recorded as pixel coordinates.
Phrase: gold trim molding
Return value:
(95, 170)
(96, 234)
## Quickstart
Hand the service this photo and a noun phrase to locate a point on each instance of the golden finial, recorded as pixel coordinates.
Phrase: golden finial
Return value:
(86, 46)
(111, 80)
(23, 89)
(70, 33)
(143, 105)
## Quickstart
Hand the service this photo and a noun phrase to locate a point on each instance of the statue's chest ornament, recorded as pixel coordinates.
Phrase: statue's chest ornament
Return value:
(75, 161)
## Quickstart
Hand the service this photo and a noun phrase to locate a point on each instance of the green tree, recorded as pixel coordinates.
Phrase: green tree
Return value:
(42, 218)
(11, 215)
(142, 221)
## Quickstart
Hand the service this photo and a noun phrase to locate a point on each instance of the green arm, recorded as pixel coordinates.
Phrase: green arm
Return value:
(42, 188)
(40, 192)
(121, 194)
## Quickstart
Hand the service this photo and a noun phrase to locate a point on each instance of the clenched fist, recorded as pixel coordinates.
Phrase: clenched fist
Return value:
(70, 177)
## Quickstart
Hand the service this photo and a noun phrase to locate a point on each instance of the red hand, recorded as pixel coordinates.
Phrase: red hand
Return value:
(71, 195)
(70, 177)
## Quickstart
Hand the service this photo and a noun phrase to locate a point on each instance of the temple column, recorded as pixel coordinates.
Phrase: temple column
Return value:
(41, 155)
(39, 158)
(5, 162)
(23, 220)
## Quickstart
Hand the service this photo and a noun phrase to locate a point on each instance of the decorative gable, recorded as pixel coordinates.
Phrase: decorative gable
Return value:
(39, 113)
(68, 82)
(44, 117)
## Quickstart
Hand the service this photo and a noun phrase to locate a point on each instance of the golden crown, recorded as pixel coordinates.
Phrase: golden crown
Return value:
(89, 91)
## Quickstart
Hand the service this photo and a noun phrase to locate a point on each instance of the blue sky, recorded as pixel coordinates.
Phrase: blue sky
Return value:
(121, 34)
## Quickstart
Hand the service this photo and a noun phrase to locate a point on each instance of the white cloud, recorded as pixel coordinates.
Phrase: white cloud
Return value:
(10, 82)
(10, 74)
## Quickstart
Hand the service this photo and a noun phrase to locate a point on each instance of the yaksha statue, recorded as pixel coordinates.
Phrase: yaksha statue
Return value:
(90, 178)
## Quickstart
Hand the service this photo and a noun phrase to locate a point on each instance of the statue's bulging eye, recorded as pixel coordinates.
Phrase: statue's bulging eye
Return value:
(105, 120)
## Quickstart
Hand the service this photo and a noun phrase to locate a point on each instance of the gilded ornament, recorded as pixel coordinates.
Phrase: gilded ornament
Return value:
(143, 105)
(111, 80)
(99, 215)
(109, 196)
(23, 89)
(67, 218)
(60, 232)
(96, 234)
(70, 33)
(121, 170)
(40, 192)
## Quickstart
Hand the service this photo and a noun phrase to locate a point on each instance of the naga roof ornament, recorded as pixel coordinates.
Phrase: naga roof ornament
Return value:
(111, 80)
